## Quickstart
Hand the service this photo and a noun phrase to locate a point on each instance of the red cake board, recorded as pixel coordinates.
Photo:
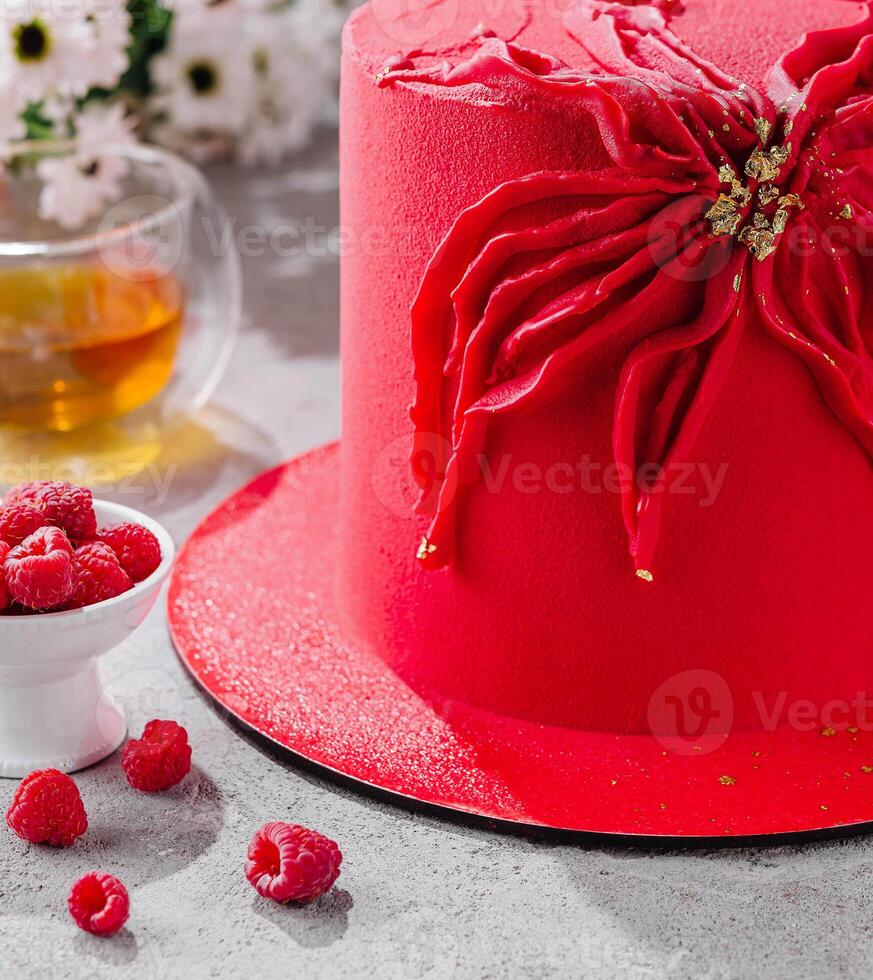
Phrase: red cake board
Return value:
(252, 617)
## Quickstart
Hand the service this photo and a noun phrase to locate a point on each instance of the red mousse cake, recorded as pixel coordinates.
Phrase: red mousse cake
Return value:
(600, 525)
(641, 425)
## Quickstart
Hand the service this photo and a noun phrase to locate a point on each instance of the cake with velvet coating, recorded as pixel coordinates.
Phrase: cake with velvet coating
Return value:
(593, 552)
(595, 240)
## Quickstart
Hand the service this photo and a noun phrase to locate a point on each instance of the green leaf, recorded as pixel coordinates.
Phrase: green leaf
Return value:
(149, 32)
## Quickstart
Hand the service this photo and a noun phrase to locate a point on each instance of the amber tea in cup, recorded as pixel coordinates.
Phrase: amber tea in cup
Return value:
(129, 314)
(83, 343)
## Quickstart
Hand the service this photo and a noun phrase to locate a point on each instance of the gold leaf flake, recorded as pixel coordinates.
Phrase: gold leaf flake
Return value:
(762, 229)
(738, 278)
(760, 241)
(764, 165)
(763, 127)
(723, 216)
(742, 195)
(645, 575)
(791, 201)
(425, 549)
(847, 212)
(726, 780)
(780, 220)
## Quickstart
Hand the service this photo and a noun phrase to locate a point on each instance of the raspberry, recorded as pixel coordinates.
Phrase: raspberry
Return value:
(158, 760)
(137, 548)
(97, 575)
(25, 493)
(289, 863)
(70, 508)
(18, 521)
(39, 572)
(5, 598)
(47, 809)
(99, 903)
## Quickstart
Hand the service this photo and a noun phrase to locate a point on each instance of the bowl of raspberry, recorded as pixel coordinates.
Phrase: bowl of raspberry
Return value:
(77, 577)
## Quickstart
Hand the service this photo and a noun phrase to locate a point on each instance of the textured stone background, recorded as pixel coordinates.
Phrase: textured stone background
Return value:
(417, 898)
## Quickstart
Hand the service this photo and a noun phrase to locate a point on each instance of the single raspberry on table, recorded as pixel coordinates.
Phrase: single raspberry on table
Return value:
(19, 521)
(289, 863)
(25, 492)
(97, 575)
(39, 571)
(158, 760)
(137, 548)
(5, 598)
(47, 809)
(99, 903)
(70, 508)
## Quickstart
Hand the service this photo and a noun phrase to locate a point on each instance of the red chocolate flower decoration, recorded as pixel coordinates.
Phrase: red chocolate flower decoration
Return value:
(733, 207)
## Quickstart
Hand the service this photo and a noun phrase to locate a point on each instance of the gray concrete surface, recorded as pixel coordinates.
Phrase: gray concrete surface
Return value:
(418, 898)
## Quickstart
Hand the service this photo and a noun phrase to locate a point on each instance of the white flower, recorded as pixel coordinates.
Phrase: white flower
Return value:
(49, 47)
(79, 185)
(291, 90)
(319, 24)
(110, 23)
(71, 194)
(40, 51)
(101, 125)
(205, 79)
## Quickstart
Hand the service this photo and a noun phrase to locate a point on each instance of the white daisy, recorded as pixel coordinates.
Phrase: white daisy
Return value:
(110, 23)
(78, 186)
(205, 79)
(101, 124)
(71, 194)
(43, 51)
(320, 24)
(291, 90)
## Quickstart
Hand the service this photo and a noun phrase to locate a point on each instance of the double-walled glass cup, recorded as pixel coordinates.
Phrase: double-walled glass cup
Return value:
(119, 289)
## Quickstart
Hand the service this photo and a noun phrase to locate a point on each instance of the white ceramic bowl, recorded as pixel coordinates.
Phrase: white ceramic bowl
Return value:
(54, 711)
